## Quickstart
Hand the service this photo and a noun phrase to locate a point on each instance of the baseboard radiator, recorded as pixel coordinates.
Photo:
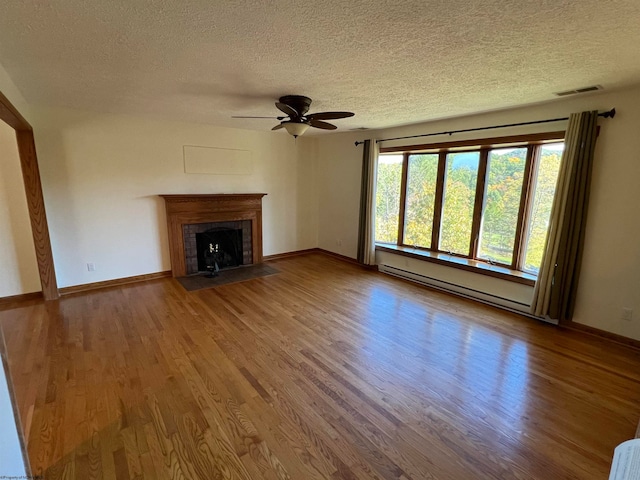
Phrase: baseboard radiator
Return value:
(461, 291)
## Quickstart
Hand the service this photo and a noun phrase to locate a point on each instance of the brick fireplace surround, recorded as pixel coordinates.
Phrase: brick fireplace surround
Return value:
(185, 210)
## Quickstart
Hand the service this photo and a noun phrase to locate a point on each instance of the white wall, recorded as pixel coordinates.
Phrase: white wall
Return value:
(19, 269)
(512, 295)
(102, 175)
(307, 185)
(610, 278)
(339, 172)
(12, 463)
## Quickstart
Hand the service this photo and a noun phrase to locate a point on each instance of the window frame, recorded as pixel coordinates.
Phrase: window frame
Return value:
(532, 142)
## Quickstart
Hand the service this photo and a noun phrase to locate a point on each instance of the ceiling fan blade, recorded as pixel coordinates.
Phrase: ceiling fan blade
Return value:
(278, 127)
(283, 107)
(329, 115)
(272, 118)
(241, 116)
(323, 125)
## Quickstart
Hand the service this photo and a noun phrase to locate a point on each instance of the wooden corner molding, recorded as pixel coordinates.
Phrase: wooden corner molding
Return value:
(610, 336)
(11, 116)
(35, 200)
(13, 301)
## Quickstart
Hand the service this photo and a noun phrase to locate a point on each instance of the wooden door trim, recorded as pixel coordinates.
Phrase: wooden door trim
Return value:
(35, 200)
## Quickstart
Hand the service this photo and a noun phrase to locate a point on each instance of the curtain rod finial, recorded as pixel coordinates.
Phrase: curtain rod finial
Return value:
(611, 113)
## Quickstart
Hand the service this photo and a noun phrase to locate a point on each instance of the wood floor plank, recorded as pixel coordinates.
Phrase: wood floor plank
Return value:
(323, 371)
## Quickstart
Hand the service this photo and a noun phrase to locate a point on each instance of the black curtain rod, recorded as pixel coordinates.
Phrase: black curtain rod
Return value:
(610, 114)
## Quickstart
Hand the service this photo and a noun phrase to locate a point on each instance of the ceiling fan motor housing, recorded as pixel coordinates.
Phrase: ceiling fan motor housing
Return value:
(299, 103)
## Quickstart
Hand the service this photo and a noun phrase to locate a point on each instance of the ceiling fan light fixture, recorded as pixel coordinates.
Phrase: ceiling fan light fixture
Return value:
(295, 128)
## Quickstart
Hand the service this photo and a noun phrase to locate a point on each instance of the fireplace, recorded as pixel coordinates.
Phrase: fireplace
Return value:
(227, 226)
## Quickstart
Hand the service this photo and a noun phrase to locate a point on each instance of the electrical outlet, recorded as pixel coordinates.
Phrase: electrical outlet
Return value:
(91, 267)
(627, 314)
(339, 242)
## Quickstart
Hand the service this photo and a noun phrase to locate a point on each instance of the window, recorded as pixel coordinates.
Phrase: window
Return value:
(388, 198)
(460, 182)
(489, 203)
(501, 206)
(422, 177)
(546, 177)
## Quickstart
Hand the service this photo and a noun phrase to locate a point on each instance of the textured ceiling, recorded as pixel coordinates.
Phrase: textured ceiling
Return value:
(391, 62)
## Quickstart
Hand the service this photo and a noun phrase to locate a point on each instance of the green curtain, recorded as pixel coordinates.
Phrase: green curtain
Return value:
(557, 284)
(366, 230)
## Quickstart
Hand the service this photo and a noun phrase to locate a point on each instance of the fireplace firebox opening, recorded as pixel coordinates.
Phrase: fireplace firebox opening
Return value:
(219, 248)
(214, 246)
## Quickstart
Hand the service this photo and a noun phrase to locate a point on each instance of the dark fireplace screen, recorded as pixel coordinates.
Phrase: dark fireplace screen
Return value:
(229, 243)
(220, 245)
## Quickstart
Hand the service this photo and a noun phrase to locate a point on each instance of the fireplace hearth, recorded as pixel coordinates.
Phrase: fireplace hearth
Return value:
(232, 223)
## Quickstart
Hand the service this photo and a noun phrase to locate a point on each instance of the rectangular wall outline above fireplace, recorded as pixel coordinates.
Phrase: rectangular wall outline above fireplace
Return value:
(205, 208)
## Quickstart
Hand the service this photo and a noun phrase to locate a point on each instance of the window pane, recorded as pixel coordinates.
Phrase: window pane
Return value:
(503, 190)
(546, 177)
(388, 198)
(422, 176)
(459, 198)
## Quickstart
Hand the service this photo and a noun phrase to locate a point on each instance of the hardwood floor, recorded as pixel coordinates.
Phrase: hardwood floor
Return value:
(323, 371)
